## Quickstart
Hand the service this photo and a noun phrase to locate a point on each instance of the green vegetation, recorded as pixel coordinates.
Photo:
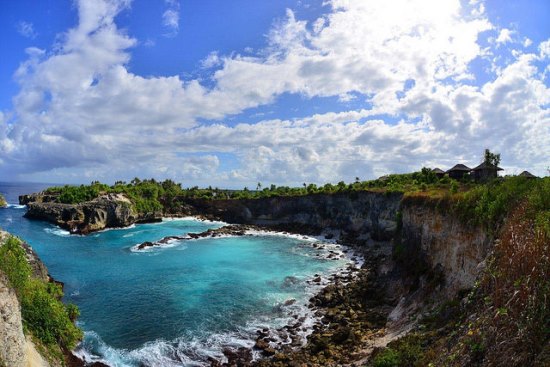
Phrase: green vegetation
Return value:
(151, 195)
(488, 204)
(77, 194)
(505, 319)
(45, 317)
(407, 351)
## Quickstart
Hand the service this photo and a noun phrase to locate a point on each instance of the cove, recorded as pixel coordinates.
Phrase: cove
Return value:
(177, 305)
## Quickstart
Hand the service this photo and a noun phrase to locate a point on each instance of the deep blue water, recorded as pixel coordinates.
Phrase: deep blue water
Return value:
(177, 305)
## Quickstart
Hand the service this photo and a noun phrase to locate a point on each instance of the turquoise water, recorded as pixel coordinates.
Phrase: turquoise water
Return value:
(177, 305)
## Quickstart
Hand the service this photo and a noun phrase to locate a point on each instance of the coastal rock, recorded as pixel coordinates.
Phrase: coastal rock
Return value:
(356, 214)
(12, 339)
(106, 211)
(229, 230)
(449, 248)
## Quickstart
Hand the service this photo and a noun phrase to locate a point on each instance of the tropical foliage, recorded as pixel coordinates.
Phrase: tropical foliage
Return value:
(45, 317)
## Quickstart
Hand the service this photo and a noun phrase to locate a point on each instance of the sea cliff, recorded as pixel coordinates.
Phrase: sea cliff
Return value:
(424, 258)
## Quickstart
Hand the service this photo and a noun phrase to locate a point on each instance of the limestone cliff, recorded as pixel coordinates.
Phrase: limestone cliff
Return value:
(359, 214)
(3, 202)
(17, 350)
(436, 238)
(107, 211)
(12, 339)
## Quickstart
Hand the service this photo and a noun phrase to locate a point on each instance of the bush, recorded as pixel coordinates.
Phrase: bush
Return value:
(387, 358)
(43, 313)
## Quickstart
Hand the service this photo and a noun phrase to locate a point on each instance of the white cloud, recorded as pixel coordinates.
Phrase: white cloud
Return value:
(212, 60)
(81, 109)
(26, 29)
(504, 36)
(171, 18)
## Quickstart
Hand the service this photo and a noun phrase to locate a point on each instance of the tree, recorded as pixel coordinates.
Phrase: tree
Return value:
(259, 186)
(492, 158)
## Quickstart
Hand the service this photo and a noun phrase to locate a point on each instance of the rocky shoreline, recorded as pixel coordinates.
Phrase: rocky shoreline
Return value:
(343, 310)
(350, 312)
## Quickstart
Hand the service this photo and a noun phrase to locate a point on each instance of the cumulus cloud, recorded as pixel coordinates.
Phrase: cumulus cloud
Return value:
(80, 108)
(504, 36)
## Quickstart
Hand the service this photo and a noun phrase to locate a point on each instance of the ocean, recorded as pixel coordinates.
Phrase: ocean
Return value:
(180, 304)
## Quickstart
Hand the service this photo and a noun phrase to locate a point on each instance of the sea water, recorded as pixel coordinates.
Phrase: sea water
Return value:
(176, 305)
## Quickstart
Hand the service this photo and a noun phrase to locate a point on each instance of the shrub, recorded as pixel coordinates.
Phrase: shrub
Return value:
(43, 314)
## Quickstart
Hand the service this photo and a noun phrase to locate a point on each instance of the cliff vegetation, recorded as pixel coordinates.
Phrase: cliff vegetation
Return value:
(505, 319)
(45, 317)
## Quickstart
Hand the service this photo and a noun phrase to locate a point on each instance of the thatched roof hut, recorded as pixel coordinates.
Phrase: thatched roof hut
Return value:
(527, 174)
(485, 171)
(438, 172)
(458, 171)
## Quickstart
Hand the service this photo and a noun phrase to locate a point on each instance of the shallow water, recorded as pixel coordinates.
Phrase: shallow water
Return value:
(177, 305)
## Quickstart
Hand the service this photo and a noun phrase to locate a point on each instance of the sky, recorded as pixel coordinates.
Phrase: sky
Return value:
(231, 93)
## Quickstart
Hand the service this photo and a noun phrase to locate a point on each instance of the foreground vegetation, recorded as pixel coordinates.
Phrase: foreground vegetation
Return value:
(45, 317)
(505, 319)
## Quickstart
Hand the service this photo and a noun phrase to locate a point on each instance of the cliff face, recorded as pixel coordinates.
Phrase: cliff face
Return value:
(357, 213)
(107, 211)
(16, 349)
(444, 243)
(12, 339)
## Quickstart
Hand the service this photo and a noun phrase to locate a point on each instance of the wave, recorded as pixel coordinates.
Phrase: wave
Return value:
(167, 244)
(57, 232)
(193, 219)
(15, 206)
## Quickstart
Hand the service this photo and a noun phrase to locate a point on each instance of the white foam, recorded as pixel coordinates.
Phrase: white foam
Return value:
(131, 226)
(15, 206)
(168, 244)
(57, 231)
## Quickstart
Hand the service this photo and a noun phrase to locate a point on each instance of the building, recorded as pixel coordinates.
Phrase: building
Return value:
(438, 172)
(459, 171)
(485, 172)
(527, 174)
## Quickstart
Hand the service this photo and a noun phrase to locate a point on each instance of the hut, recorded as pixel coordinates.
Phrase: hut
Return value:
(438, 172)
(485, 171)
(527, 174)
(459, 171)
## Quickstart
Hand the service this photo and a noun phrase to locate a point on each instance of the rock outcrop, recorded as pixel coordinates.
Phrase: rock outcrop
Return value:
(435, 238)
(359, 214)
(12, 339)
(106, 211)
(3, 202)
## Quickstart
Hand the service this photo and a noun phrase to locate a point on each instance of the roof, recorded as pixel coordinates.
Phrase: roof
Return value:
(460, 167)
(486, 165)
(527, 174)
(438, 170)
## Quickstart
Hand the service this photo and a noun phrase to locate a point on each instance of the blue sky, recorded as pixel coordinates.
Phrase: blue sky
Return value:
(229, 93)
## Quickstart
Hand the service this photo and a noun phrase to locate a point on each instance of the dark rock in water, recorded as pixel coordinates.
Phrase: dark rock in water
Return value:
(237, 357)
(145, 245)
(290, 281)
(229, 230)
(289, 302)
(329, 236)
(261, 344)
(268, 351)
